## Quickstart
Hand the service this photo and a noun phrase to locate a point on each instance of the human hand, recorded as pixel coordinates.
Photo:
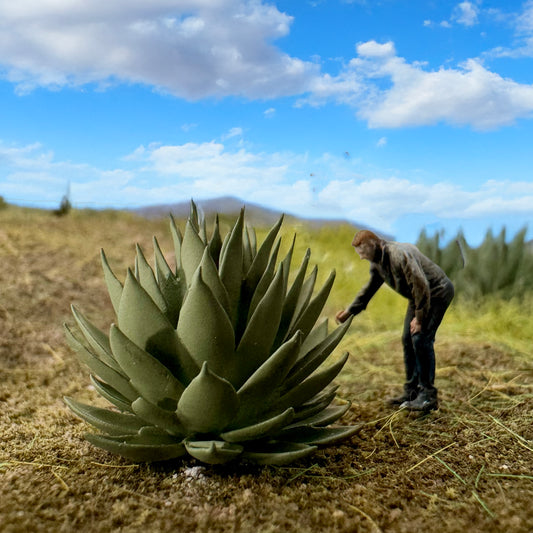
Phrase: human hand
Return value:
(415, 326)
(342, 316)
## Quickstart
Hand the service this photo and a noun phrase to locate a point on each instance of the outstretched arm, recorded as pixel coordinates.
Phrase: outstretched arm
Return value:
(362, 298)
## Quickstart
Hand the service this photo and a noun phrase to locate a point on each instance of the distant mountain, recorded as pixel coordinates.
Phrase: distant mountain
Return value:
(224, 205)
(229, 205)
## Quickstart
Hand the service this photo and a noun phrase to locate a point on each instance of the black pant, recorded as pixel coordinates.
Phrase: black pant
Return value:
(418, 351)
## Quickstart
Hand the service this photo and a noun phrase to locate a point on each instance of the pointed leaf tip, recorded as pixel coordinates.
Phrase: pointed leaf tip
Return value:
(213, 452)
(114, 286)
(204, 328)
(208, 404)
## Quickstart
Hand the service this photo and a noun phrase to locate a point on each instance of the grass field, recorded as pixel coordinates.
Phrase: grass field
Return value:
(466, 467)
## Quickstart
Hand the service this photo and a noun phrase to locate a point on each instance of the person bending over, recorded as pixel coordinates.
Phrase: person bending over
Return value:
(429, 291)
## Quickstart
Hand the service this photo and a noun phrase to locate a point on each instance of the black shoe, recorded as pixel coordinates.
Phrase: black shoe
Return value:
(426, 401)
(407, 396)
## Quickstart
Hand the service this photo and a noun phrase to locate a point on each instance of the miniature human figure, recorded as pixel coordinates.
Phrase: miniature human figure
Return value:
(429, 291)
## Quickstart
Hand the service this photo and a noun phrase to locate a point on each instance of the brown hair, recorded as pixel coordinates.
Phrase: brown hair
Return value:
(365, 236)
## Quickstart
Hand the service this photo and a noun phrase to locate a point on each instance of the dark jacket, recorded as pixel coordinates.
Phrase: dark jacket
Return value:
(410, 273)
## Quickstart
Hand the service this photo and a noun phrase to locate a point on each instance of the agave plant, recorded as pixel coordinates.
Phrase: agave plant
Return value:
(215, 359)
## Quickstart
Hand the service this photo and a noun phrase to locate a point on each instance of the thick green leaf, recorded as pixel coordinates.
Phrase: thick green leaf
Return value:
(312, 385)
(248, 256)
(148, 281)
(172, 290)
(313, 359)
(318, 436)
(256, 342)
(260, 430)
(105, 420)
(265, 281)
(98, 367)
(111, 395)
(194, 219)
(223, 247)
(138, 452)
(231, 259)
(304, 297)
(256, 392)
(213, 452)
(324, 417)
(97, 339)
(311, 312)
(205, 330)
(152, 435)
(114, 286)
(278, 453)
(215, 243)
(161, 418)
(163, 270)
(150, 377)
(208, 404)
(192, 250)
(291, 301)
(315, 405)
(212, 279)
(202, 230)
(146, 326)
(287, 263)
(315, 337)
(177, 239)
(253, 240)
(254, 274)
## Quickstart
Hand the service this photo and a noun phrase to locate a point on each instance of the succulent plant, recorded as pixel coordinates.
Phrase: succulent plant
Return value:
(215, 359)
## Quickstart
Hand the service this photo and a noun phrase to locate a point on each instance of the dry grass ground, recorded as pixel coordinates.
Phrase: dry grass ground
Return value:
(466, 467)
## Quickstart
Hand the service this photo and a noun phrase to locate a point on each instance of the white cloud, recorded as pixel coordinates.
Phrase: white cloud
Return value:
(270, 112)
(375, 49)
(190, 48)
(525, 19)
(523, 28)
(233, 132)
(205, 170)
(346, 88)
(29, 156)
(381, 202)
(466, 13)
(188, 127)
(469, 94)
(381, 142)
(30, 174)
(201, 48)
(159, 174)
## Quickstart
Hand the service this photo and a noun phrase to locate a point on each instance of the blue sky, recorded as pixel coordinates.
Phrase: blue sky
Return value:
(401, 115)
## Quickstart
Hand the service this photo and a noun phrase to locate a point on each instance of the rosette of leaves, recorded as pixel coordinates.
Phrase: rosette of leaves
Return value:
(218, 358)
